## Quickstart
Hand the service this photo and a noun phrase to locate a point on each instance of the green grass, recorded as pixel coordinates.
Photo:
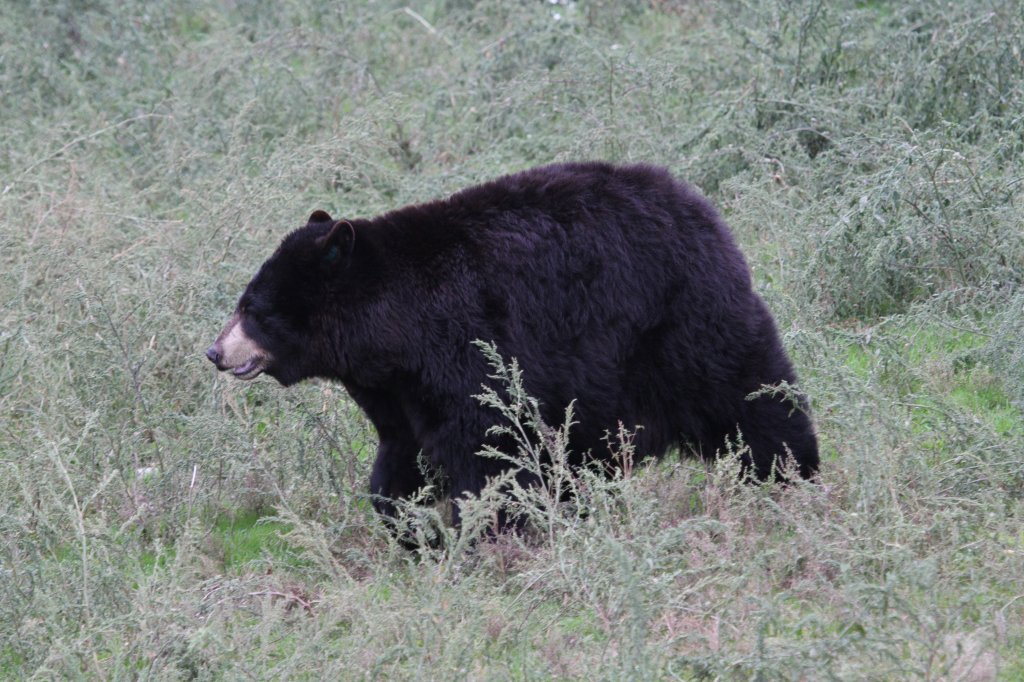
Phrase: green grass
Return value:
(161, 522)
(249, 539)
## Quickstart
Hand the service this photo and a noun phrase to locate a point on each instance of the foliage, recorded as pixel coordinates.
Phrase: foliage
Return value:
(159, 521)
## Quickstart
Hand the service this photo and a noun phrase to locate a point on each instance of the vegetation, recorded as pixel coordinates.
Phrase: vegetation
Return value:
(158, 521)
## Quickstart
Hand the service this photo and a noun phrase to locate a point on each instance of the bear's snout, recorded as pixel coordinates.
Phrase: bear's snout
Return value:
(214, 354)
(234, 350)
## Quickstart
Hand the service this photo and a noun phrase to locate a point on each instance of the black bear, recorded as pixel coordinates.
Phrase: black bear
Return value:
(614, 286)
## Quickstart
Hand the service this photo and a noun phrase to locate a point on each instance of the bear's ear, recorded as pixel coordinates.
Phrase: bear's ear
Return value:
(319, 217)
(337, 243)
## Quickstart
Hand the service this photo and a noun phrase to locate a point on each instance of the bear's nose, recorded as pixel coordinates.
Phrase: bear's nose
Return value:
(213, 354)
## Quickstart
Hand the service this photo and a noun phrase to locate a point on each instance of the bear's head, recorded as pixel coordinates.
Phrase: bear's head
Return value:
(275, 328)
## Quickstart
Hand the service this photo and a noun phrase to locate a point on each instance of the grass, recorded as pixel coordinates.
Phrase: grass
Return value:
(158, 521)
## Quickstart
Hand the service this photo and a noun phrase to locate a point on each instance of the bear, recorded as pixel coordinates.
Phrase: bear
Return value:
(617, 288)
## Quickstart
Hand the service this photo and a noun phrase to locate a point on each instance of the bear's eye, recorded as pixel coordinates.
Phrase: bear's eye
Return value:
(252, 311)
(248, 309)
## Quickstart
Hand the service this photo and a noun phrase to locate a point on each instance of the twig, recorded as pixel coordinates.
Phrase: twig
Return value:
(426, 24)
(308, 605)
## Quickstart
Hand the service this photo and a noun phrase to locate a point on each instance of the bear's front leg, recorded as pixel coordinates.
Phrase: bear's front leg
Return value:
(470, 471)
(396, 474)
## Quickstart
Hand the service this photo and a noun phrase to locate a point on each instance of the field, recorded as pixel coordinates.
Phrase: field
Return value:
(159, 521)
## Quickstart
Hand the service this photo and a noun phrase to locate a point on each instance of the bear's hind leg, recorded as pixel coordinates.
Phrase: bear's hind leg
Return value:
(770, 426)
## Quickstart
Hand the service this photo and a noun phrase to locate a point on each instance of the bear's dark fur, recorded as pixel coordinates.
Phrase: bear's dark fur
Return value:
(614, 286)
